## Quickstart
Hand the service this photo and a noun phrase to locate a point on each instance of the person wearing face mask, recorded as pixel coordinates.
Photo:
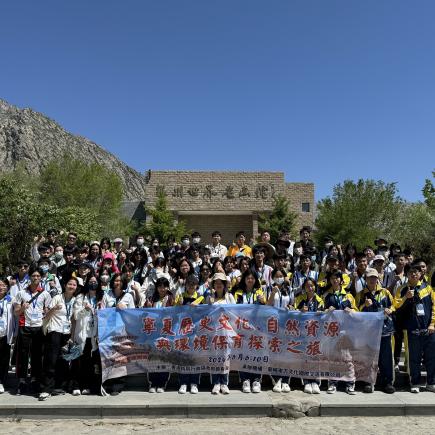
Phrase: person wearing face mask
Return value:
(298, 250)
(58, 258)
(196, 238)
(140, 243)
(104, 275)
(49, 281)
(185, 244)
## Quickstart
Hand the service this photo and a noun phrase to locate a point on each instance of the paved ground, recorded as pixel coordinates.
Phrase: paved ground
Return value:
(319, 425)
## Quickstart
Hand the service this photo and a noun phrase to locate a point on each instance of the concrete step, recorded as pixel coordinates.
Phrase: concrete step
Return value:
(296, 404)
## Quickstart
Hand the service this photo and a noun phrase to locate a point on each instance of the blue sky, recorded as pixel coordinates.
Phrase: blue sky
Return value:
(323, 90)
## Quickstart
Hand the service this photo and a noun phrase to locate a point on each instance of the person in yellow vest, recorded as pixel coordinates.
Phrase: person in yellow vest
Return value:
(239, 246)
(189, 297)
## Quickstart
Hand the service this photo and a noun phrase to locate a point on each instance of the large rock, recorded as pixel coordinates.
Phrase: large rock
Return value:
(33, 139)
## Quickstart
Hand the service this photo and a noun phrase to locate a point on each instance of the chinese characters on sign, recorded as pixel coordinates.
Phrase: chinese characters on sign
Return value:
(208, 192)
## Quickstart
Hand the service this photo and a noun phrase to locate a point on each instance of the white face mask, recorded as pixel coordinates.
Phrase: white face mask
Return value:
(298, 251)
(58, 255)
(196, 240)
(185, 242)
(279, 281)
(139, 242)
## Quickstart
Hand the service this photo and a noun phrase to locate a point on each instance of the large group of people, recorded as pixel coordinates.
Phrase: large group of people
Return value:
(48, 303)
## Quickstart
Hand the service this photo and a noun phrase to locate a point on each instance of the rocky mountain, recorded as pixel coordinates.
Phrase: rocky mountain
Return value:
(33, 139)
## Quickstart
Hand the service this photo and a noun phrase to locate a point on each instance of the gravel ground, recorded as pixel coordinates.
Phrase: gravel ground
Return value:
(319, 425)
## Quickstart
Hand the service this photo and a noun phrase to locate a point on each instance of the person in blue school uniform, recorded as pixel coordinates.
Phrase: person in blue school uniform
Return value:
(310, 301)
(374, 298)
(337, 298)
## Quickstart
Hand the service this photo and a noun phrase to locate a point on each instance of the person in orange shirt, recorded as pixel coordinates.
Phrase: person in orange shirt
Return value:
(239, 246)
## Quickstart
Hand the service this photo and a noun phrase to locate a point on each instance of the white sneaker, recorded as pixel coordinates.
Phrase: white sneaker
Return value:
(216, 389)
(332, 389)
(182, 389)
(76, 393)
(193, 389)
(160, 390)
(152, 390)
(351, 390)
(430, 388)
(277, 388)
(86, 392)
(2, 389)
(225, 389)
(44, 396)
(256, 387)
(285, 388)
(315, 388)
(415, 389)
(308, 389)
(246, 387)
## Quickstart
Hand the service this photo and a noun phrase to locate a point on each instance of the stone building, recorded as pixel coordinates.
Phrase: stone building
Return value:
(227, 201)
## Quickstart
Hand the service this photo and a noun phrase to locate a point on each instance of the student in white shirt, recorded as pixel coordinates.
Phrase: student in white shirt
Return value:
(86, 370)
(59, 327)
(116, 297)
(216, 249)
(29, 306)
(220, 296)
(6, 331)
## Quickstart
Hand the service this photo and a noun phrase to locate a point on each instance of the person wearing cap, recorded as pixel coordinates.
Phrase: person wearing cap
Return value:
(189, 297)
(239, 246)
(219, 295)
(381, 241)
(109, 261)
(415, 304)
(375, 298)
(49, 281)
(339, 299)
(378, 264)
(117, 245)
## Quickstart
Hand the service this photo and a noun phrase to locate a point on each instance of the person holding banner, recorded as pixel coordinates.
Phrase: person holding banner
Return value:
(338, 298)
(310, 301)
(249, 292)
(220, 296)
(86, 370)
(415, 302)
(189, 297)
(161, 298)
(372, 299)
(117, 297)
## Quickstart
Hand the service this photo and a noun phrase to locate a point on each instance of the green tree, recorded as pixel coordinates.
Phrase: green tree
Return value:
(24, 214)
(429, 193)
(88, 186)
(279, 219)
(162, 223)
(358, 212)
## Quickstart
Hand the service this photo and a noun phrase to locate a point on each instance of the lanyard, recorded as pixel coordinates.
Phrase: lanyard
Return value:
(2, 309)
(68, 307)
(251, 298)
